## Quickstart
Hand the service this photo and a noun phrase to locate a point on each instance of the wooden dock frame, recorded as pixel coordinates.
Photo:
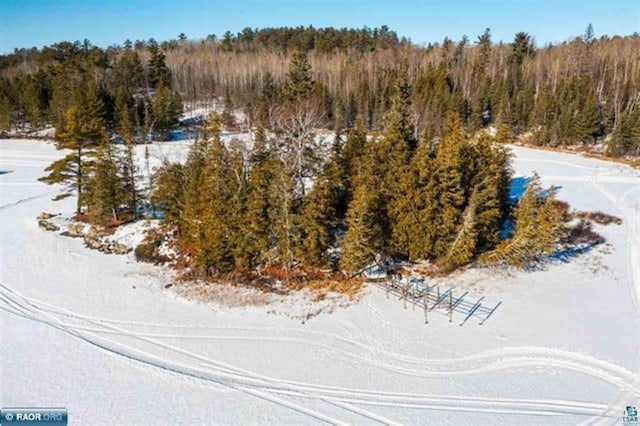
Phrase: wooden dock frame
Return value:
(424, 297)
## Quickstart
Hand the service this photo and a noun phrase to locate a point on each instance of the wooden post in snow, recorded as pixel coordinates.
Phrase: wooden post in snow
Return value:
(450, 305)
(406, 293)
(425, 303)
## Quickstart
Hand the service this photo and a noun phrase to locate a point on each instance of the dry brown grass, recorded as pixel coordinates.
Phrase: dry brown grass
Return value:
(599, 217)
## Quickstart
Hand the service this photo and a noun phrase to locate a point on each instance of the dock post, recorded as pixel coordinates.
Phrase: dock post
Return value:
(425, 303)
(406, 293)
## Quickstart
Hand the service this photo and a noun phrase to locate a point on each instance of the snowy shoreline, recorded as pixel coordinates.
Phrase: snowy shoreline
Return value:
(562, 348)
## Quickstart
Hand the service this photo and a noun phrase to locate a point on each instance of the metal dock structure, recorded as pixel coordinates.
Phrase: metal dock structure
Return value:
(416, 291)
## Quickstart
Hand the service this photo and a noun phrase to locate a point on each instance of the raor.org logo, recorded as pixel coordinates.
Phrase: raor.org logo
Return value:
(630, 415)
(33, 416)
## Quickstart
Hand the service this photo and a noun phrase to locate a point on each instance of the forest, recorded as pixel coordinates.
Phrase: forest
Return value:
(584, 91)
(417, 170)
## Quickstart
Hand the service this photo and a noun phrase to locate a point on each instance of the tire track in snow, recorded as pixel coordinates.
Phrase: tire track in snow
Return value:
(449, 366)
(25, 200)
(222, 378)
(632, 223)
(427, 401)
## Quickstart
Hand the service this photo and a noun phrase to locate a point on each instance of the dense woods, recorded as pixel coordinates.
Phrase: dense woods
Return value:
(414, 171)
(578, 92)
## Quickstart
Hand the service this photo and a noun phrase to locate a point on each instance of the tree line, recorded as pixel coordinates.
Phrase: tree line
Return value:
(291, 200)
(581, 91)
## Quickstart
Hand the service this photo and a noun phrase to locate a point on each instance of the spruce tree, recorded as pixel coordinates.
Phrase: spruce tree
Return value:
(106, 192)
(168, 195)
(127, 163)
(367, 232)
(463, 247)
(504, 135)
(166, 108)
(451, 167)
(257, 225)
(319, 213)
(227, 117)
(159, 74)
(587, 122)
(538, 226)
(298, 82)
(213, 233)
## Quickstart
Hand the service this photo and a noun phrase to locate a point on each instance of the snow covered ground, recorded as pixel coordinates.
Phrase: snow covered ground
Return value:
(100, 334)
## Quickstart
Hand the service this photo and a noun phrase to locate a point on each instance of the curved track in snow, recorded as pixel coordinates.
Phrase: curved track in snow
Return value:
(100, 334)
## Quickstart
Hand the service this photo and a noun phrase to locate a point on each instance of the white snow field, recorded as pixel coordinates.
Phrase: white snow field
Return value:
(100, 335)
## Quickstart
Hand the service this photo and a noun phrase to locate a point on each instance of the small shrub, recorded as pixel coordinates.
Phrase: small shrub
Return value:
(149, 249)
(600, 218)
(583, 234)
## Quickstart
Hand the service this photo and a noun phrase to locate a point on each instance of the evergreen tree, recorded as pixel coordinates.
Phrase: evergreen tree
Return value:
(365, 236)
(538, 227)
(5, 112)
(227, 113)
(420, 221)
(168, 194)
(81, 132)
(504, 134)
(353, 152)
(298, 82)
(625, 138)
(214, 233)
(587, 122)
(106, 193)
(463, 247)
(320, 211)
(127, 163)
(491, 181)
(450, 169)
(257, 225)
(159, 74)
(166, 107)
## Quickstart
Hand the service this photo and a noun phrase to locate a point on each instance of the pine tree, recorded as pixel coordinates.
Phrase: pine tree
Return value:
(421, 221)
(127, 163)
(106, 192)
(491, 180)
(5, 112)
(504, 135)
(450, 167)
(213, 237)
(166, 108)
(463, 247)
(298, 82)
(227, 113)
(353, 152)
(319, 213)
(538, 226)
(81, 132)
(625, 138)
(259, 208)
(159, 74)
(168, 194)
(367, 232)
(587, 122)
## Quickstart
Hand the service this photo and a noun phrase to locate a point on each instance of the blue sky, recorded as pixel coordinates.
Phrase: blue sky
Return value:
(27, 23)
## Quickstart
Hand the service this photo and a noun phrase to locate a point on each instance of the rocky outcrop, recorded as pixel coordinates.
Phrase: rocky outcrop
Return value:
(45, 216)
(48, 226)
(74, 230)
(92, 239)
